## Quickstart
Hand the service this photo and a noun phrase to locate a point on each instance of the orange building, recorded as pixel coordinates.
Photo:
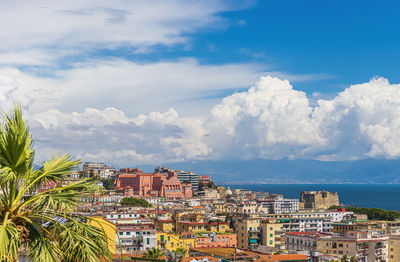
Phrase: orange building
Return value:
(217, 240)
(153, 185)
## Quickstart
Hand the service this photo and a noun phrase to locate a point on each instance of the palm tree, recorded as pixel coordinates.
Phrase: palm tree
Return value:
(180, 253)
(42, 226)
(153, 253)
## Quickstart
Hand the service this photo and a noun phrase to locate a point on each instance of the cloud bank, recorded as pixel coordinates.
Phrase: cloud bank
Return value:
(270, 120)
(79, 28)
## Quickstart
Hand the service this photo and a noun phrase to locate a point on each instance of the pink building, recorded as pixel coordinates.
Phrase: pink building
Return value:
(153, 185)
(204, 179)
(217, 240)
(50, 184)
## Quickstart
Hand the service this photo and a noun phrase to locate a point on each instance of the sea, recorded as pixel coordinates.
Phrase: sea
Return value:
(385, 196)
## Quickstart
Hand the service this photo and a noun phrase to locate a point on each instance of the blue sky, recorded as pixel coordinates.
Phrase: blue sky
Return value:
(155, 81)
(348, 41)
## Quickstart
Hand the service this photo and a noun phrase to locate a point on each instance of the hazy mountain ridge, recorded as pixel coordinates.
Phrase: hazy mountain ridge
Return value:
(294, 171)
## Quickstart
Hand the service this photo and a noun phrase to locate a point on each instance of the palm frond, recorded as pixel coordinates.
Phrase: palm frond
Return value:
(9, 240)
(41, 247)
(83, 242)
(60, 199)
(16, 150)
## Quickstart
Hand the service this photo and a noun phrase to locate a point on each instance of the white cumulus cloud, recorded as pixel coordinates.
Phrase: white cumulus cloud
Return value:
(270, 120)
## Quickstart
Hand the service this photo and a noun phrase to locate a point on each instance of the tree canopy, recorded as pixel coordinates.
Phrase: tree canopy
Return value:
(373, 213)
(133, 201)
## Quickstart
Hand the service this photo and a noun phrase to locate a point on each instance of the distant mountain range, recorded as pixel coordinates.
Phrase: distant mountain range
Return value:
(293, 171)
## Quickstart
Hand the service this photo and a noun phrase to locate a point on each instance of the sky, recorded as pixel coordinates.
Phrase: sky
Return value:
(149, 82)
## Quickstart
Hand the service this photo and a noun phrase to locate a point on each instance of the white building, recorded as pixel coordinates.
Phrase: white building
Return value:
(281, 205)
(133, 238)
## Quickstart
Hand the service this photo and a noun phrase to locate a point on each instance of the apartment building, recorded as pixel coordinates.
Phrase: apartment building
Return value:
(316, 221)
(273, 232)
(134, 237)
(361, 244)
(248, 233)
(311, 224)
(164, 225)
(216, 240)
(279, 205)
(172, 241)
(195, 227)
(100, 170)
(394, 248)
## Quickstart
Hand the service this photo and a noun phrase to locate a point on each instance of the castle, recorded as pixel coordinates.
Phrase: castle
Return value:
(318, 199)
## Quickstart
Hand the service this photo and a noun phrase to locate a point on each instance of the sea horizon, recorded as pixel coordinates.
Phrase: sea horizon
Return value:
(384, 196)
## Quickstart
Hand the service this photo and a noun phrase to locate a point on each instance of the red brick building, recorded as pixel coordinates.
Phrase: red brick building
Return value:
(153, 184)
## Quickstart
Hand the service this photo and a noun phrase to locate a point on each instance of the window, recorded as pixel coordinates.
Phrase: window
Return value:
(128, 233)
(121, 233)
(270, 235)
(148, 241)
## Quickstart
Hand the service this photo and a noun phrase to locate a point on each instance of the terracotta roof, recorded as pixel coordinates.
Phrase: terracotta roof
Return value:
(191, 223)
(127, 175)
(283, 258)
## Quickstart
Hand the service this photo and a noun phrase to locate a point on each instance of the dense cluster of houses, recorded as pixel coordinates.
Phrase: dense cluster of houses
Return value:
(217, 223)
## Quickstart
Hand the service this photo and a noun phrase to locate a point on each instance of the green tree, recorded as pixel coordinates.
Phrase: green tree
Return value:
(376, 213)
(153, 253)
(353, 259)
(344, 258)
(108, 184)
(42, 226)
(133, 201)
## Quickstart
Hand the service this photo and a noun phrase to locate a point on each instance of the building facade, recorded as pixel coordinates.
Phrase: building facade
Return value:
(153, 185)
(318, 199)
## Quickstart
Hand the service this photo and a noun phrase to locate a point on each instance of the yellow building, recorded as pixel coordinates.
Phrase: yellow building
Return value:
(108, 228)
(248, 233)
(273, 232)
(394, 248)
(164, 225)
(219, 227)
(192, 227)
(220, 207)
(172, 241)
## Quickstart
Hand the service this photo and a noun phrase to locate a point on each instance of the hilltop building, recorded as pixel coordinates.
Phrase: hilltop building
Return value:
(318, 199)
(183, 176)
(101, 170)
